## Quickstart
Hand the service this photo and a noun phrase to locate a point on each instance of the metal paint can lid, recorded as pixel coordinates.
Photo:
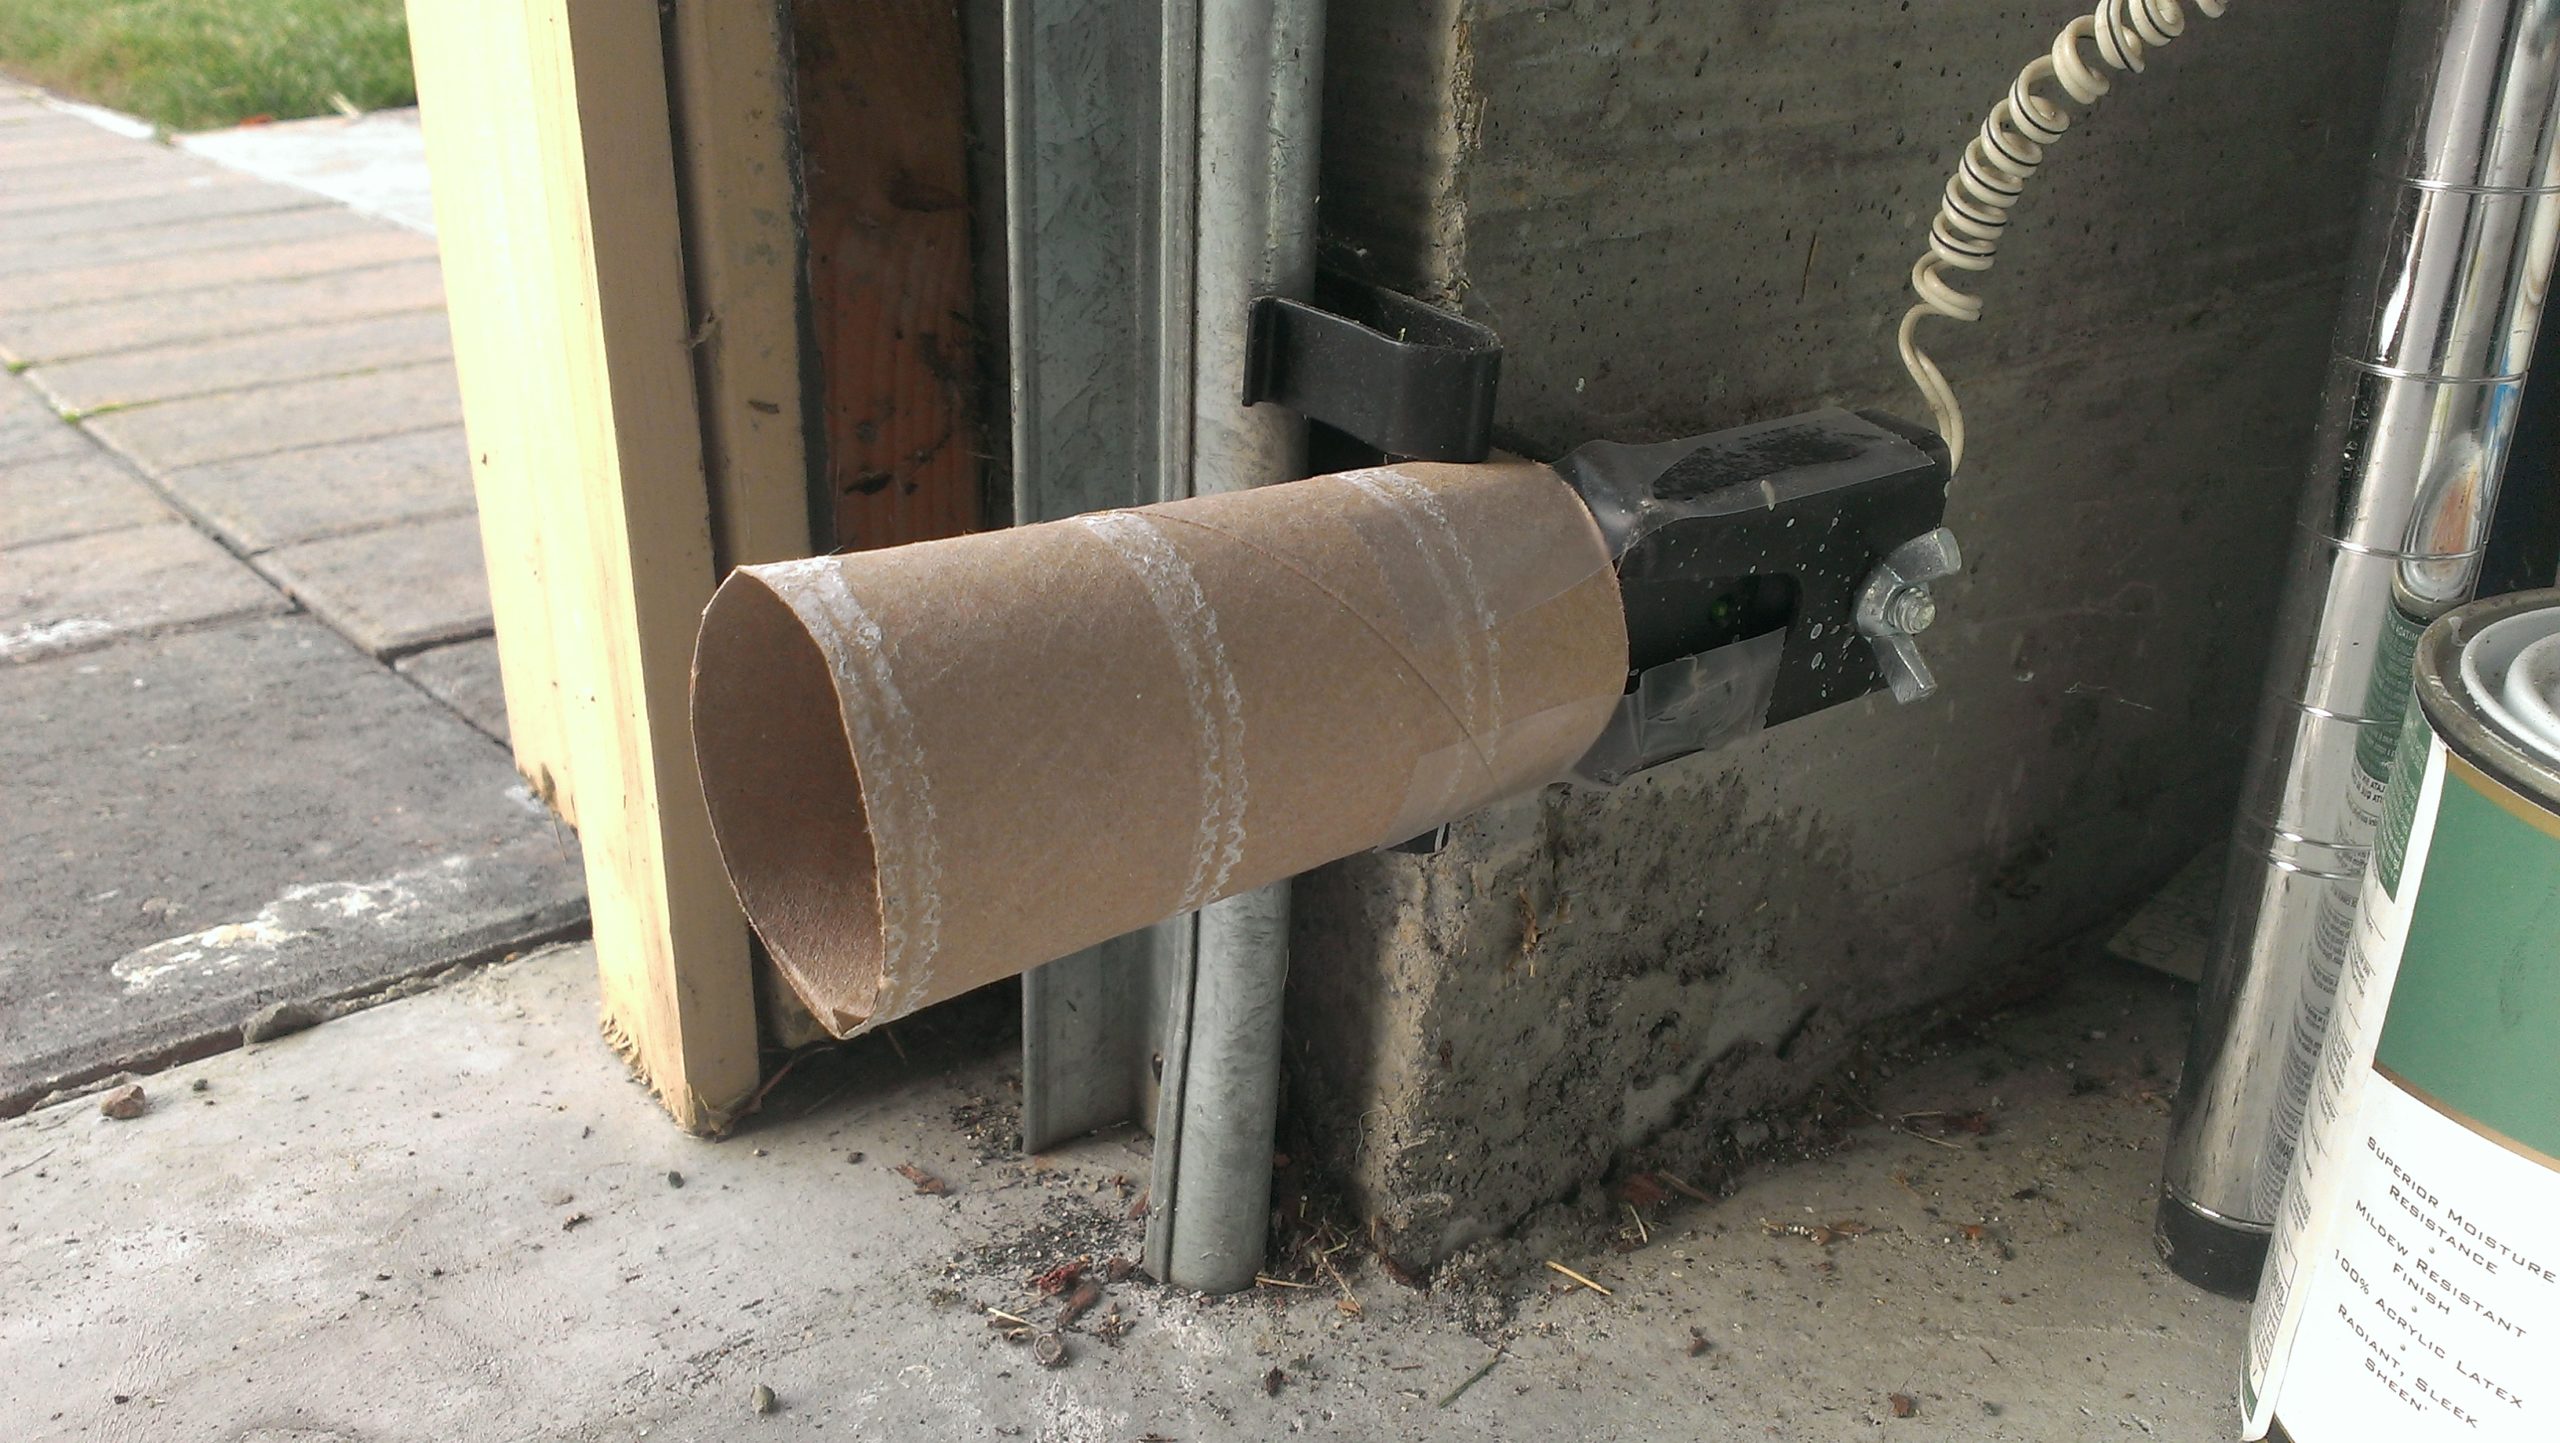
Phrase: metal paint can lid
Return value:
(2511, 668)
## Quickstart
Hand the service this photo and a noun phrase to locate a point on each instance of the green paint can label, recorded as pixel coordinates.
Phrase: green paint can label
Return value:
(2410, 1289)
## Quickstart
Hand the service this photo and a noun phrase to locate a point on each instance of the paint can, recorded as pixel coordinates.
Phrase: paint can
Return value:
(2412, 1286)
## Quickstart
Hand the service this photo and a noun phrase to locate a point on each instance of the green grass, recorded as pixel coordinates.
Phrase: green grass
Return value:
(198, 64)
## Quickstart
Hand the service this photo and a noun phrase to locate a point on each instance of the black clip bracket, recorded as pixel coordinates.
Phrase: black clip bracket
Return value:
(1411, 380)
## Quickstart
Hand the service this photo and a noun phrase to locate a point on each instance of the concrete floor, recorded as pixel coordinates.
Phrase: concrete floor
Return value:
(455, 1216)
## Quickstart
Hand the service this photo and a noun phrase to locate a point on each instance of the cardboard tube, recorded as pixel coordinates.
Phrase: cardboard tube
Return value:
(933, 766)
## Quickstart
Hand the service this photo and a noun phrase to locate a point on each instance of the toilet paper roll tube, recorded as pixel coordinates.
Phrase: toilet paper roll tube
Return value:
(937, 765)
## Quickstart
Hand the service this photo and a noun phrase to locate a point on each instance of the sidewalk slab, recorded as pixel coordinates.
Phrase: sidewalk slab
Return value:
(26, 188)
(264, 502)
(169, 435)
(465, 677)
(392, 590)
(69, 332)
(295, 352)
(60, 597)
(24, 110)
(71, 142)
(81, 494)
(455, 1216)
(314, 244)
(206, 823)
(375, 162)
(187, 202)
(30, 429)
(46, 255)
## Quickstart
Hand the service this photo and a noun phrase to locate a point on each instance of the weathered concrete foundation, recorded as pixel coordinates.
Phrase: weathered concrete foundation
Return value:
(1681, 219)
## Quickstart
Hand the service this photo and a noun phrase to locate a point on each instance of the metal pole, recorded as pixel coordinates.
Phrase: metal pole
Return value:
(1260, 89)
(2429, 364)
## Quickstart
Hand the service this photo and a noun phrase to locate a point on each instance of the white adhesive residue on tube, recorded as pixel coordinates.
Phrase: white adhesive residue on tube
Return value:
(1479, 676)
(1217, 705)
(905, 851)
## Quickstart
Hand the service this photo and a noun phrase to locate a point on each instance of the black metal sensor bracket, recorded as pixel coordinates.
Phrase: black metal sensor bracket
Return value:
(1769, 571)
(1410, 379)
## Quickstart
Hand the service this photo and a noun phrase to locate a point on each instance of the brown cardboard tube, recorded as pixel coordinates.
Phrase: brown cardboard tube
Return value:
(933, 766)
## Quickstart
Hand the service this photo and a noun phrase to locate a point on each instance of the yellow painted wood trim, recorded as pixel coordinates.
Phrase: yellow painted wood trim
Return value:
(548, 137)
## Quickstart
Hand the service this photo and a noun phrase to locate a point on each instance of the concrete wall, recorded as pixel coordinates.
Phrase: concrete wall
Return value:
(1682, 217)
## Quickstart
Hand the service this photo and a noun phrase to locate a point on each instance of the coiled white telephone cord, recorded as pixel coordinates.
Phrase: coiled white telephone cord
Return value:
(2000, 160)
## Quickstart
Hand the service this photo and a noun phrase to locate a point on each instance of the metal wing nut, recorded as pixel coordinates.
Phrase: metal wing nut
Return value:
(1896, 604)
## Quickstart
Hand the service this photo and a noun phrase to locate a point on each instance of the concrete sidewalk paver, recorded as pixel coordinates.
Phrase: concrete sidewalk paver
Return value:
(163, 438)
(185, 202)
(312, 247)
(36, 187)
(232, 817)
(80, 494)
(464, 676)
(70, 332)
(58, 597)
(263, 502)
(215, 804)
(65, 142)
(235, 362)
(23, 259)
(395, 589)
(30, 429)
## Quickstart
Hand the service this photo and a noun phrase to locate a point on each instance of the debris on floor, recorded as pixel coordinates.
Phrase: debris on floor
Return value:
(1086, 1297)
(924, 1314)
(123, 1103)
(1821, 1235)
(281, 1019)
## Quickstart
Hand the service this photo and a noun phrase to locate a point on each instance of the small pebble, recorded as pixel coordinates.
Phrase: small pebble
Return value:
(123, 1103)
(674, 1178)
(281, 1020)
(762, 1399)
(199, 1085)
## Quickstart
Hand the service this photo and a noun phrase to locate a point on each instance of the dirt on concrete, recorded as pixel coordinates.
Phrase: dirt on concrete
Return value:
(357, 1232)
